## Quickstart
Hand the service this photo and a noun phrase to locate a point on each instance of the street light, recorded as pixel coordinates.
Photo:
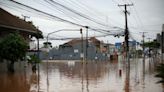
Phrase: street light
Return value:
(47, 44)
(59, 31)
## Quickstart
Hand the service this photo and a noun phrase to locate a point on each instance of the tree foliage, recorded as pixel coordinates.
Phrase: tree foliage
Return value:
(13, 47)
(153, 44)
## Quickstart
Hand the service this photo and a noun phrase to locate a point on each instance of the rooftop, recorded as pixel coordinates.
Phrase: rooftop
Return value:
(75, 41)
(8, 20)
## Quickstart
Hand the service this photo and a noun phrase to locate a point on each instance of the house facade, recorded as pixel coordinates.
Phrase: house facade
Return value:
(12, 24)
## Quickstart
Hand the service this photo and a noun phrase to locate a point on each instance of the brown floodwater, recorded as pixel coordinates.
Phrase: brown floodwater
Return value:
(75, 76)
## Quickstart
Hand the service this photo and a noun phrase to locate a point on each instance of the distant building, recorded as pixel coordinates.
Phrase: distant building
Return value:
(72, 50)
(158, 38)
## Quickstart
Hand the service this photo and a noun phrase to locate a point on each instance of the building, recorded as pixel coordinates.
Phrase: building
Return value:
(158, 37)
(13, 24)
(76, 48)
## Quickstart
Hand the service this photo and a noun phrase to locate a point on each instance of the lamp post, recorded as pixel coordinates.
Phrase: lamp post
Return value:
(59, 31)
(50, 34)
(48, 48)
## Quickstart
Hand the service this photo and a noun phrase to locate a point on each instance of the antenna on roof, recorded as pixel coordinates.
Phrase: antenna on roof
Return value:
(25, 17)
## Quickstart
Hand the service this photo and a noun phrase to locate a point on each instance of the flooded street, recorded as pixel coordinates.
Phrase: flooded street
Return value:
(81, 46)
(75, 76)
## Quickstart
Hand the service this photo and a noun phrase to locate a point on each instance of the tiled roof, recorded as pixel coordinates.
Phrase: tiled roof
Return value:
(8, 20)
(75, 41)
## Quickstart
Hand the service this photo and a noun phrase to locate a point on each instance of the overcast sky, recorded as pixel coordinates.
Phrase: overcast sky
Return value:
(145, 16)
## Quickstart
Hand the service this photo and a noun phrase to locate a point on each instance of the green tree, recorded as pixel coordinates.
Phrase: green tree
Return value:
(152, 44)
(13, 48)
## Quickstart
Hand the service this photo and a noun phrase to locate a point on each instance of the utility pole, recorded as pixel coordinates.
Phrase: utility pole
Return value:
(25, 17)
(82, 53)
(126, 32)
(143, 36)
(143, 41)
(86, 42)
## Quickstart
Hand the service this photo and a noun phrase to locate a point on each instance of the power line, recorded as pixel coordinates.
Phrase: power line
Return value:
(79, 5)
(30, 9)
(78, 13)
(66, 7)
(63, 12)
(47, 14)
(87, 9)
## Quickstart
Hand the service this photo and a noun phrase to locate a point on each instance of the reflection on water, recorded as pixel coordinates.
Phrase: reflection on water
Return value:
(71, 76)
(13, 83)
(33, 82)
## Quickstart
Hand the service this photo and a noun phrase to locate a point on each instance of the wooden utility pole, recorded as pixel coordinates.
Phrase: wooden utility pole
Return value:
(86, 42)
(127, 82)
(126, 32)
